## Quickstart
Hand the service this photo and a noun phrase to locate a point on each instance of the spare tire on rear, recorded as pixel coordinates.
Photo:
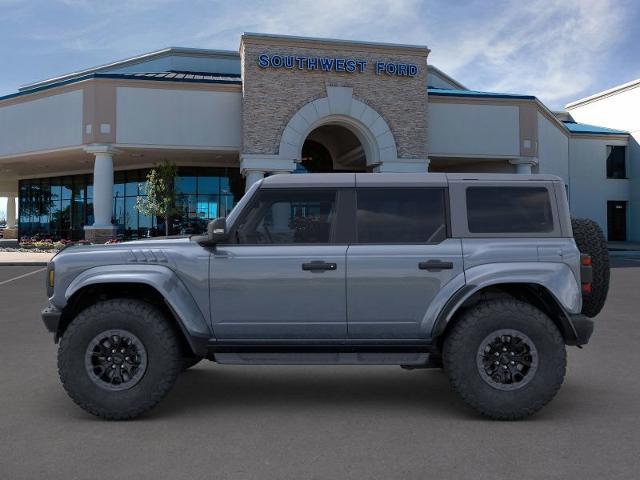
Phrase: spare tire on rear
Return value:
(590, 240)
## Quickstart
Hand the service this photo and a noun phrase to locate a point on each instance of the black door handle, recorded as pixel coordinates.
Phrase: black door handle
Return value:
(435, 265)
(319, 266)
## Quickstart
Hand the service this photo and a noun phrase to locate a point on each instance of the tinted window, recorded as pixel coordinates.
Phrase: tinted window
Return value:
(509, 210)
(616, 167)
(289, 217)
(402, 215)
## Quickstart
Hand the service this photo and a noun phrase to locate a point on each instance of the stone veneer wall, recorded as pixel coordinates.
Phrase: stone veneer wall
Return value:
(271, 96)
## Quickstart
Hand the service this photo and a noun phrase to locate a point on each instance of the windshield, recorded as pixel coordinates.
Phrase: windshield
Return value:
(232, 217)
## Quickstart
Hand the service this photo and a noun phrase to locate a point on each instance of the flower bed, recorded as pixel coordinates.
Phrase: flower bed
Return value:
(42, 245)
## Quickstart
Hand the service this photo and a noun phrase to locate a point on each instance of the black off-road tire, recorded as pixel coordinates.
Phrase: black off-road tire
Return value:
(163, 358)
(463, 343)
(590, 240)
(188, 362)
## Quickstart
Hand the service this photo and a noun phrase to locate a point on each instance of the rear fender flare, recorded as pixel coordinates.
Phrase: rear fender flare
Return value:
(557, 278)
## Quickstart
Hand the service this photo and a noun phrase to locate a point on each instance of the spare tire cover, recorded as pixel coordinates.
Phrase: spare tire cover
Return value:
(590, 240)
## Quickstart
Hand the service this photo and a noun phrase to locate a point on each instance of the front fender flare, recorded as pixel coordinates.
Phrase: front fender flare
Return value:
(164, 280)
(557, 278)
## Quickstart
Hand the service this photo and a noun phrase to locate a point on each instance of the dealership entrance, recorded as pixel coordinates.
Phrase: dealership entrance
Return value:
(332, 148)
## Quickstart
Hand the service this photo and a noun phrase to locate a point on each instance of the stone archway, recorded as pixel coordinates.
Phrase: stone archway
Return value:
(339, 108)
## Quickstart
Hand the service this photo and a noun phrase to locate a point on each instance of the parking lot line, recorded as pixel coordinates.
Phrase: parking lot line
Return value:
(23, 275)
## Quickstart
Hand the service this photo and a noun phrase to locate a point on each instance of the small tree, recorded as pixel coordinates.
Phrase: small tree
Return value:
(160, 193)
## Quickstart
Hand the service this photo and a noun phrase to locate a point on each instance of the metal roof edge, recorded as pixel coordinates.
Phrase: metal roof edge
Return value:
(442, 92)
(446, 76)
(130, 61)
(604, 93)
(122, 76)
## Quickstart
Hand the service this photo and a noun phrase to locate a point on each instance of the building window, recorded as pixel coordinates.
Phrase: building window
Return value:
(60, 207)
(616, 161)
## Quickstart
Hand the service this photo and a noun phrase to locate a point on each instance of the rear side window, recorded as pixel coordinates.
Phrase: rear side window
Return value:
(509, 210)
(401, 215)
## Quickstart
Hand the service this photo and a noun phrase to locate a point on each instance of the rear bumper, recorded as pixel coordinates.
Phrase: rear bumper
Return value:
(51, 318)
(583, 327)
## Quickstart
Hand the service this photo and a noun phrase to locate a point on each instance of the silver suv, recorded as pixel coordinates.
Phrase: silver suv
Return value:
(478, 274)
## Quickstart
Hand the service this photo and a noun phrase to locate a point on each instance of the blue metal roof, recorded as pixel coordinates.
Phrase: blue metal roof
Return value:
(444, 92)
(575, 127)
(175, 75)
(188, 77)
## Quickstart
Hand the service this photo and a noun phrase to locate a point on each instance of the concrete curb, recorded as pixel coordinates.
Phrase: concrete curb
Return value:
(23, 264)
(624, 253)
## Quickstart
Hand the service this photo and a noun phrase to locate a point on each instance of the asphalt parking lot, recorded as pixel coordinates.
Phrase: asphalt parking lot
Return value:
(319, 422)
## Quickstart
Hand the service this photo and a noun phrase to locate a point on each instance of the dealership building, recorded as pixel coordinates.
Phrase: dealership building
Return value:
(75, 149)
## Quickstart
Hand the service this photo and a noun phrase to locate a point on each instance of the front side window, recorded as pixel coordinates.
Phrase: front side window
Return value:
(616, 161)
(401, 215)
(289, 217)
(509, 210)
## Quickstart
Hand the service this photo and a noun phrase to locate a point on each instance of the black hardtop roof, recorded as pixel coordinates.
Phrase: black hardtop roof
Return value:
(304, 180)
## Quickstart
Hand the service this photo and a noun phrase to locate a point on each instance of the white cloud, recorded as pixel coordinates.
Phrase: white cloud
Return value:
(548, 48)
(555, 49)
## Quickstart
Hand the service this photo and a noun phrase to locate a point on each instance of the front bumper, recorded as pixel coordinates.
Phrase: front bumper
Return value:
(583, 327)
(51, 317)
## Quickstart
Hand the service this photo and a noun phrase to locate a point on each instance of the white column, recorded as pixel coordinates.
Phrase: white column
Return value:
(103, 188)
(251, 177)
(102, 229)
(524, 164)
(11, 211)
(254, 166)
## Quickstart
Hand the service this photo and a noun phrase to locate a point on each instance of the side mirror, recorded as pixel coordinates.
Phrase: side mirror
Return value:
(217, 230)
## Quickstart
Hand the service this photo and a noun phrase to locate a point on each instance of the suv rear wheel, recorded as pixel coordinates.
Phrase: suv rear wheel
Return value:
(505, 358)
(119, 358)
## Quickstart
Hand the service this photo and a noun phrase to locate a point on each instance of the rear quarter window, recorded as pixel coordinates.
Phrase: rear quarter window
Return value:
(498, 209)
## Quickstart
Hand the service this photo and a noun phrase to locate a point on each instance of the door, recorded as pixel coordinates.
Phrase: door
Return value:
(617, 221)
(400, 261)
(284, 277)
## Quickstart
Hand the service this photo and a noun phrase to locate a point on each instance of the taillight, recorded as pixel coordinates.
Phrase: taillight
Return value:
(586, 272)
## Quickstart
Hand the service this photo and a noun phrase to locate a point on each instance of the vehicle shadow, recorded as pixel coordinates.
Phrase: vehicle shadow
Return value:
(234, 388)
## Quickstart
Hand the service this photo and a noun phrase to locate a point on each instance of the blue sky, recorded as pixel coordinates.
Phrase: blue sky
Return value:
(558, 50)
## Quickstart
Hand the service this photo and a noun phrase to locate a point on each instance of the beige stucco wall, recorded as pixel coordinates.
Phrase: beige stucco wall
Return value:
(272, 96)
(50, 122)
(553, 148)
(171, 117)
(473, 129)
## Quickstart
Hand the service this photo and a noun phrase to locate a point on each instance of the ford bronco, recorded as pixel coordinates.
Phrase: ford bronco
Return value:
(483, 275)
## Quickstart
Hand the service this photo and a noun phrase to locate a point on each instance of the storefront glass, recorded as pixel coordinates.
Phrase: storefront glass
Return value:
(60, 207)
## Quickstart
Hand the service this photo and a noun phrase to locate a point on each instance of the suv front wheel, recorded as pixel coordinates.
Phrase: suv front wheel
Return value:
(505, 358)
(118, 358)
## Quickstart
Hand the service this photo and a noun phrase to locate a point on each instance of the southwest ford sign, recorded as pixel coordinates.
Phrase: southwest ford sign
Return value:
(331, 64)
